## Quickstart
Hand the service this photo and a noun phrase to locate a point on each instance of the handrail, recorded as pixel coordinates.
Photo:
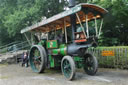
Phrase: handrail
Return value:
(9, 44)
(14, 47)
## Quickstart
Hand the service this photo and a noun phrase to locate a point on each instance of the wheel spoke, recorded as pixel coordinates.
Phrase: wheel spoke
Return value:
(37, 64)
(36, 59)
(67, 68)
(37, 54)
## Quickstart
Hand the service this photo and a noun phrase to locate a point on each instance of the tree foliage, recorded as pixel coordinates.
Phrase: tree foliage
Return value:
(116, 23)
(18, 14)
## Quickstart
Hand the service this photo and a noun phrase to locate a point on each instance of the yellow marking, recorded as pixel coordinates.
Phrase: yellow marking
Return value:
(108, 53)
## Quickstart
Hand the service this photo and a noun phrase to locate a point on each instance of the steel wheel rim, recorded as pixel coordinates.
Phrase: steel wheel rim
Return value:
(66, 68)
(35, 59)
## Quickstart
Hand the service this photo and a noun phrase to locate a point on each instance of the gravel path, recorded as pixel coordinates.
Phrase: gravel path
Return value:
(17, 75)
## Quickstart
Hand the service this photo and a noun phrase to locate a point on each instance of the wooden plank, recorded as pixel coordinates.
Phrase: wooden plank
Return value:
(119, 59)
(126, 54)
(114, 60)
(117, 55)
(98, 55)
(122, 58)
(102, 57)
(126, 58)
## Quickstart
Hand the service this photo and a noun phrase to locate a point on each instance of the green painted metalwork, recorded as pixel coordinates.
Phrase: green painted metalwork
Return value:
(62, 50)
(52, 64)
(55, 51)
(42, 42)
(77, 58)
(79, 61)
(52, 44)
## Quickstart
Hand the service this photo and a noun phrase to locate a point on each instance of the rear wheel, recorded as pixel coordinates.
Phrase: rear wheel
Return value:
(68, 67)
(37, 58)
(90, 64)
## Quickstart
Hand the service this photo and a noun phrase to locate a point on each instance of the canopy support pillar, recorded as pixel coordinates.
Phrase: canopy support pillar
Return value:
(100, 27)
(87, 26)
(27, 39)
(47, 36)
(65, 31)
(81, 24)
(96, 27)
(32, 39)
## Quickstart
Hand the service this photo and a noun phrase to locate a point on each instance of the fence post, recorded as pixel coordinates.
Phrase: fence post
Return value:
(114, 50)
(122, 58)
(126, 58)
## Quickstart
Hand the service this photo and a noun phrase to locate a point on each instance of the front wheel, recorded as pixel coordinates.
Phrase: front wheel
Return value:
(37, 58)
(90, 64)
(68, 67)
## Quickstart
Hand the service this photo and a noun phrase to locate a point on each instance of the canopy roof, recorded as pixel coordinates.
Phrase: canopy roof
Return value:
(57, 21)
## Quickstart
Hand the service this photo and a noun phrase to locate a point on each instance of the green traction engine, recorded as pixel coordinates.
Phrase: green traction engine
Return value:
(68, 35)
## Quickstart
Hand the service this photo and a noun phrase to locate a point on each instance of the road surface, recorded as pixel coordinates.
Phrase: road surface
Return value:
(17, 75)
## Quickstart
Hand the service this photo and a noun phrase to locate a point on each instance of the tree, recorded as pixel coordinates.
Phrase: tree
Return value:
(116, 24)
(18, 14)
